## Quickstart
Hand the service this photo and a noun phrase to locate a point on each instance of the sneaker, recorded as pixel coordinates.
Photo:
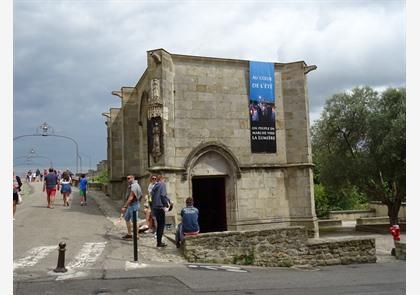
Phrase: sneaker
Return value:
(81, 203)
(161, 245)
(127, 237)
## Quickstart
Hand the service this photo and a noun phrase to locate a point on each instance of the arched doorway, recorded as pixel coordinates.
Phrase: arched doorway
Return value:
(212, 173)
(210, 199)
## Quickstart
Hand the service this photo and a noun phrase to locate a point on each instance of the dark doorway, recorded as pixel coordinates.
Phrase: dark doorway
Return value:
(210, 200)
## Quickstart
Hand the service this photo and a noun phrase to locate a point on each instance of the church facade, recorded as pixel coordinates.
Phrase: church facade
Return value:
(190, 118)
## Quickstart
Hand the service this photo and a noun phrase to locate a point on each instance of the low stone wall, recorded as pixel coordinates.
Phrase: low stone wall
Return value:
(348, 215)
(400, 250)
(276, 247)
(382, 210)
(373, 220)
(322, 223)
(95, 186)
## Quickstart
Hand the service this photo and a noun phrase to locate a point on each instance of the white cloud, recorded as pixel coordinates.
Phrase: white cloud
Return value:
(70, 55)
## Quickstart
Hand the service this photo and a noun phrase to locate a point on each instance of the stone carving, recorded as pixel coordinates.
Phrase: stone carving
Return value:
(154, 112)
(154, 115)
(156, 146)
(155, 87)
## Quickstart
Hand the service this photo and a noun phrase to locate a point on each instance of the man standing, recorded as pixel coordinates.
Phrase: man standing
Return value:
(131, 205)
(50, 185)
(158, 195)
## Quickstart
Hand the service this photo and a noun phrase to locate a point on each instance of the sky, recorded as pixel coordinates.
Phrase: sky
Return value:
(68, 56)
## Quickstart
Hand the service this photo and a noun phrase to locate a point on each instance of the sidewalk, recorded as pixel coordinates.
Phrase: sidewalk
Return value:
(384, 242)
(123, 250)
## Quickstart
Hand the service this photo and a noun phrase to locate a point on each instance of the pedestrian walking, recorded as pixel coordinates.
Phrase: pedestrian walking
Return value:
(30, 175)
(65, 183)
(15, 193)
(38, 175)
(131, 205)
(159, 203)
(82, 189)
(50, 185)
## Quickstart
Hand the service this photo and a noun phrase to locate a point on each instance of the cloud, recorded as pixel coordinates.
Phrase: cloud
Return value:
(70, 55)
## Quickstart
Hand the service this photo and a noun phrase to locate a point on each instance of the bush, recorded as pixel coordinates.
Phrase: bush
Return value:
(101, 178)
(322, 205)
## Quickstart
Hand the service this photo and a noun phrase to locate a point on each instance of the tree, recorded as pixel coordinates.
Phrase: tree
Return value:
(359, 142)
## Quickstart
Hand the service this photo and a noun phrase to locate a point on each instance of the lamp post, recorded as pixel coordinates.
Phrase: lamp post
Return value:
(45, 129)
(89, 158)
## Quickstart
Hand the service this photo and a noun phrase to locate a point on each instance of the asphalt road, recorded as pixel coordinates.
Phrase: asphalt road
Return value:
(99, 262)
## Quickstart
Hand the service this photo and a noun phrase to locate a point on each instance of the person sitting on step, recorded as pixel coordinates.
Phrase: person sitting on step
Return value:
(189, 225)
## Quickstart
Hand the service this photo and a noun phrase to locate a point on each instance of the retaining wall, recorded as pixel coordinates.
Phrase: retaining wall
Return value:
(277, 247)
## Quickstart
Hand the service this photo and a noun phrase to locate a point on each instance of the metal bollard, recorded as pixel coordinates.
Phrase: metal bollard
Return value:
(135, 235)
(61, 258)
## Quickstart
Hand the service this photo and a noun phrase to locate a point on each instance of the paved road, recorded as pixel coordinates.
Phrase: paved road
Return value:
(100, 262)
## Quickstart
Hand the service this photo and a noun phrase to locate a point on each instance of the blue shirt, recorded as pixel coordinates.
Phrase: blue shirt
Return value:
(83, 184)
(190, 219)
(51, 180)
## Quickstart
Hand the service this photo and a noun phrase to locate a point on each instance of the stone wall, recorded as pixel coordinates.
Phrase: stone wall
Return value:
(351, 214)
(382, 209)
(276, 247)
(400, 250)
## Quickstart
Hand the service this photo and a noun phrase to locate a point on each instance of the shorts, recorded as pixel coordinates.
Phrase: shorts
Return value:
(15, 197)
(51, 192)
(82, 192)
(130, 210)
(66, 189)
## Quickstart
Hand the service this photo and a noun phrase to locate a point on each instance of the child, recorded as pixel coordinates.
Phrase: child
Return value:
(82, 189)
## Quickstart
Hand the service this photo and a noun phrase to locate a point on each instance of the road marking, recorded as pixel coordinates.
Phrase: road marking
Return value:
(216, 267)
(134, 265)
(83, 260)
(34, 255)
(87, 255)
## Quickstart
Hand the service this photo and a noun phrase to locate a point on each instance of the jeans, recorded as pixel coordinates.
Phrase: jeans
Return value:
(130, 211)
(159, 213)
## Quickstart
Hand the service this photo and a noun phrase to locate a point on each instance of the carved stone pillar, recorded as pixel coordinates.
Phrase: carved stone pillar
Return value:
(154, 116)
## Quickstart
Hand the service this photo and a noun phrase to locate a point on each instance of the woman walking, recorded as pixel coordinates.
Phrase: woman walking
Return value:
(65, 183)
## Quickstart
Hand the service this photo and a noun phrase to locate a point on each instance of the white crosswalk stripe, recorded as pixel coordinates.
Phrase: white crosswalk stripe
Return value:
(84, 259)
(87, 256)
(34, 256)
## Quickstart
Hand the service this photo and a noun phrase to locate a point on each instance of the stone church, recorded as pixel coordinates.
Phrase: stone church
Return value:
(188, 118)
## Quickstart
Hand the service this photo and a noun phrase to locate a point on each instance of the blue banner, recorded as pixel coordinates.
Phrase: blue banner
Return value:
(262, 108)
(261, 81)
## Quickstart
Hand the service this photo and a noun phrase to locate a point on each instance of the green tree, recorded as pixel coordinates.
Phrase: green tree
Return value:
(359, 143)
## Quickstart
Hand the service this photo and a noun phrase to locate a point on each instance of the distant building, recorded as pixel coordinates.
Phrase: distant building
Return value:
(188, 117)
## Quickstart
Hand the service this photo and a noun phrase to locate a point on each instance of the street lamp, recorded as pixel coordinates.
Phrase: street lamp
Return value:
(45, 129)
(83, 154)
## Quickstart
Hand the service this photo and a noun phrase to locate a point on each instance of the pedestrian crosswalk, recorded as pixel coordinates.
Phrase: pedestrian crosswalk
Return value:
(76, 267)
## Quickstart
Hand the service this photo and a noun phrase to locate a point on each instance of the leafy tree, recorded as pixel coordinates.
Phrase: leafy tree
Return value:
(359, 146)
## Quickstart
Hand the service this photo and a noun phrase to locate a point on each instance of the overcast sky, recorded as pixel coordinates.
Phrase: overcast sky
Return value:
(70, 55)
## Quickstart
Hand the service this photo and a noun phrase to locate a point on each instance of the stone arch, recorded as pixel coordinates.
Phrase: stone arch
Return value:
(215, 147)
(210, 164)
